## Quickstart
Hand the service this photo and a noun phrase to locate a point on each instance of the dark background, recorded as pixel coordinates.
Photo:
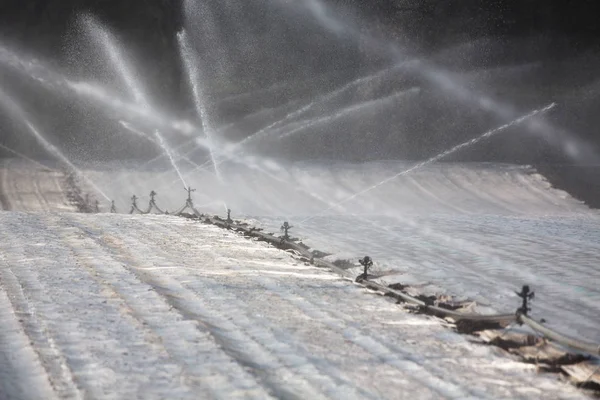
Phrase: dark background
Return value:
(552, 46)
(42, 23)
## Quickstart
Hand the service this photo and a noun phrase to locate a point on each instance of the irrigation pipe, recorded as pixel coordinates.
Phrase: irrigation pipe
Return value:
(424, 307)
(576, 344)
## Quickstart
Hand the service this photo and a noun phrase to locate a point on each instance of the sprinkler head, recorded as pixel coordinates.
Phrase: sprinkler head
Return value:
(366, 261)
(526, 295)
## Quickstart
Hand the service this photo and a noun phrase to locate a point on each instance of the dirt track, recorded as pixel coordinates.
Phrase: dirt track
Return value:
(26, 187)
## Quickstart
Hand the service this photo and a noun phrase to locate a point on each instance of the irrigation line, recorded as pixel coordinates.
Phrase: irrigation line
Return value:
(304, 252)
(502, 319)
(158, 209)
(576, 344)
(440, 311)
(135, 207)
(487, 321)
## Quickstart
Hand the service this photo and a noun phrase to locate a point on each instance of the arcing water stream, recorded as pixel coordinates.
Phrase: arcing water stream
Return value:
(16, 111)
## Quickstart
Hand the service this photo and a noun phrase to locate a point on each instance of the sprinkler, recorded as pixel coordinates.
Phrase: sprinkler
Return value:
(133, 204)
(189, 203)
(97, 206)
(152, 203)
(113, 208)
(229, 220)
(285, 229)
(367, 263)
(189, 198)
(526, 295)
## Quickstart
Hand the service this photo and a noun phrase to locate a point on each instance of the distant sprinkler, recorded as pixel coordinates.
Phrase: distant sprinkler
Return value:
(189, 201)
(134, 205)
(367, 263)
(285, 229)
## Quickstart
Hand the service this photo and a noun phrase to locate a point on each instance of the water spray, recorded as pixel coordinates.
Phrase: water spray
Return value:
(160, 143)
(108, 42)
(54, 81)
(166, 148)
(24, 157)
(306, 124)
(162, 155)
(112, 101)
(322, 100)
(573, 147)
(11, 105)
(350, 110)
(441, 155)
(187, 56)
(230, 153)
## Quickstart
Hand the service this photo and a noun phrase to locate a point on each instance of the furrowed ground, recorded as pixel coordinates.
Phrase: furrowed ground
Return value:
(120, 306)
(109, 306)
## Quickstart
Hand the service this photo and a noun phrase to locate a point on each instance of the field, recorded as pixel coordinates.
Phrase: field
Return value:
(131, 306)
